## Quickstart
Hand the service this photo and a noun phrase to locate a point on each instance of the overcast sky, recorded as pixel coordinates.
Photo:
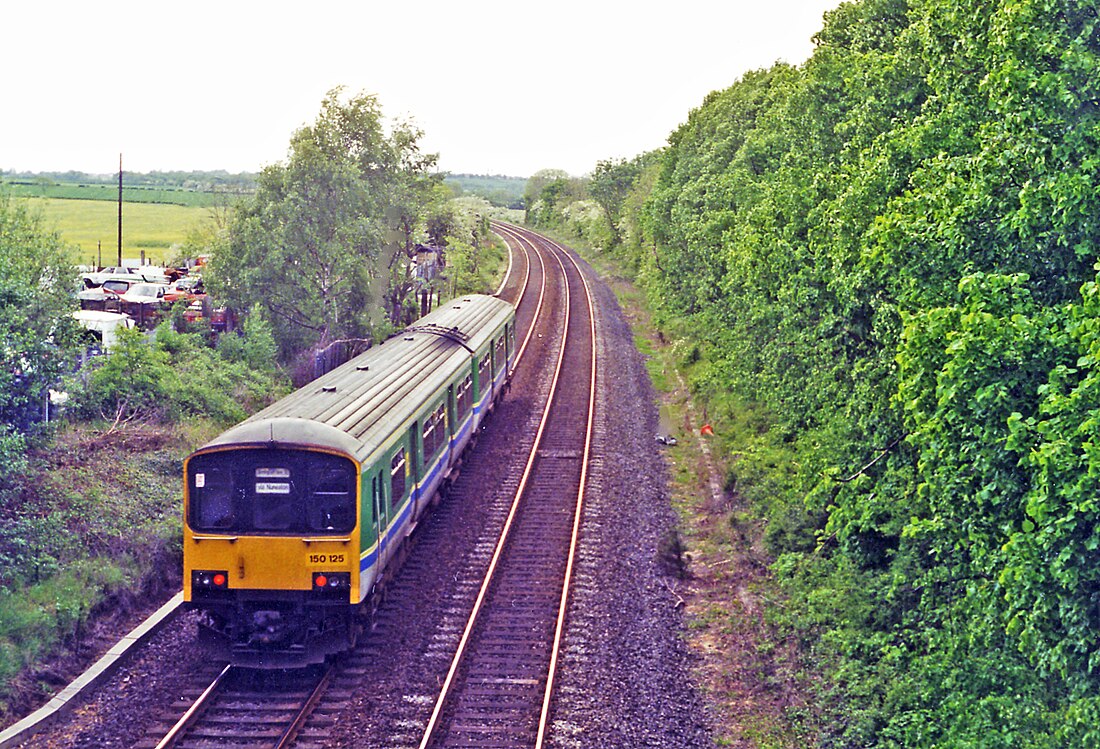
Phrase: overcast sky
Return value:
(498, 87)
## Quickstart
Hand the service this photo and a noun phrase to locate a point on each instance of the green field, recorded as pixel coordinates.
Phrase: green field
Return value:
(93, 224)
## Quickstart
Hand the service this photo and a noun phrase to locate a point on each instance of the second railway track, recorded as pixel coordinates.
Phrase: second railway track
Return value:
(497, 692)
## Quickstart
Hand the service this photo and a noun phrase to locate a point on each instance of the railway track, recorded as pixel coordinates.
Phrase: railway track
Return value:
(246, 708)
(499, 686)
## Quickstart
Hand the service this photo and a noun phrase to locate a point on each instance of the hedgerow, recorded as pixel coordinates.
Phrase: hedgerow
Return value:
(884, 258)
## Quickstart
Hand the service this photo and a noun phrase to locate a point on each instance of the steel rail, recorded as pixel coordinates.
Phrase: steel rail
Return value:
(192, 713)
(574, 539)
(307, 708)
(500, 230)
(520, 239)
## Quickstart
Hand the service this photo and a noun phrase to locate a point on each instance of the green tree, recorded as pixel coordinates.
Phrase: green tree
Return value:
(547, 193)
(37, 335)
(324, 242)
(610, 184)
(875, 250)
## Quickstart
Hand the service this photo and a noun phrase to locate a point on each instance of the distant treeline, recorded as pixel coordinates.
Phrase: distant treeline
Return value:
(210, 188)
(497, 189)
(215, 181)
(178, 188)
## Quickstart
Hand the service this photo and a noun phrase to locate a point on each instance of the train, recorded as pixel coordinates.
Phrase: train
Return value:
(295, 519)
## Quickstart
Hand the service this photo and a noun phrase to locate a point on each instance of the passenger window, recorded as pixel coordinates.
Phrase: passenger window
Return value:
(484, 378)
(397, 478)
(434, 428)
(465, 399)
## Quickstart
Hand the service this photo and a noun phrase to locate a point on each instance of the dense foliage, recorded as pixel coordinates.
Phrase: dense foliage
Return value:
(883, 260)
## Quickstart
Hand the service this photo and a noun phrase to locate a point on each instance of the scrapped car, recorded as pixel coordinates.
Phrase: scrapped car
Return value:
(145, 293)
(105, 299)
(96, 278)
(184, 289)
(148, 273)
(145, 303)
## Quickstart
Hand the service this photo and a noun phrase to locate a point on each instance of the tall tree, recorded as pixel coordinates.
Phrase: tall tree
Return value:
(324, 243)
(610, 184)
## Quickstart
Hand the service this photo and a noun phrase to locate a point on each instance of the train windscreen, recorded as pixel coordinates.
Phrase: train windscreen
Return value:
(271, 492)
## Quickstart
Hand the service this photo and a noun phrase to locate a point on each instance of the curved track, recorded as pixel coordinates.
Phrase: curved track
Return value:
(497, 691)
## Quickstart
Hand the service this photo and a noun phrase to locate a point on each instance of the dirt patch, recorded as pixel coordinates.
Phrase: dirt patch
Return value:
(73, 447)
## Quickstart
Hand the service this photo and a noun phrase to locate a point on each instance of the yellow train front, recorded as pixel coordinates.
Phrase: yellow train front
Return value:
(294, 518)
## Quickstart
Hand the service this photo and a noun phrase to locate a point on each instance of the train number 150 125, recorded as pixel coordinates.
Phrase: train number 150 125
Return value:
(326, 558)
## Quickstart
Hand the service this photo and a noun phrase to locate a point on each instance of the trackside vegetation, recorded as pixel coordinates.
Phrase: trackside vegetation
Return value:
(326, 243)
(883, 263)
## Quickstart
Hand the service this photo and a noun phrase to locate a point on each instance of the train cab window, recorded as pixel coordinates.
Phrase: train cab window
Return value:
(213, 500)
(331, 504)
(397, 478)
(271, 491)
(498, 356)
(464, 400)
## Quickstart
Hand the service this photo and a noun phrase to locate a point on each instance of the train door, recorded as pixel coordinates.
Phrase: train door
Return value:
(398, 487)
(416, 466)
(378, 511)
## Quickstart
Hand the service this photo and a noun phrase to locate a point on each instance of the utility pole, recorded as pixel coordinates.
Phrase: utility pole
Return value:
(119, 211)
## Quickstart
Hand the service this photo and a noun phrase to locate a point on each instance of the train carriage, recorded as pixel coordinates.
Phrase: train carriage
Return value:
(294, 518)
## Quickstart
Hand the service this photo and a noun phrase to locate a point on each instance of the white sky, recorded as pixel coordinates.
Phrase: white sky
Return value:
(498, 87)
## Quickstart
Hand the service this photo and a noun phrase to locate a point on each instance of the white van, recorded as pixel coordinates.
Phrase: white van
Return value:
(104, 324)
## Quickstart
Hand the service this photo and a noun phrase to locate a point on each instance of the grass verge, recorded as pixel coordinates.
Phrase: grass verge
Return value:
(752, 675)
(89, 544)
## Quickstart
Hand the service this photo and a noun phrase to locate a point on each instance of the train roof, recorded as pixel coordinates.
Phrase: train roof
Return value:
(356, 407)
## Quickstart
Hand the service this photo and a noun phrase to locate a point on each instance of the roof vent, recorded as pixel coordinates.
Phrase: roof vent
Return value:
(328, 389)
(363, 367)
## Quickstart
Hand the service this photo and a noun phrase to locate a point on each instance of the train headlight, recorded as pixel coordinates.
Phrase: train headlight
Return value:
(209, 579)
(331, 582)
